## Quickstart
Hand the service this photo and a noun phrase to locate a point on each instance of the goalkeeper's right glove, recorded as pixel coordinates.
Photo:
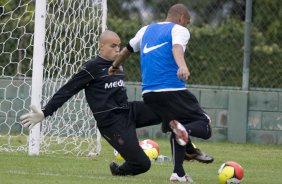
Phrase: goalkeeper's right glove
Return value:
(32, 118)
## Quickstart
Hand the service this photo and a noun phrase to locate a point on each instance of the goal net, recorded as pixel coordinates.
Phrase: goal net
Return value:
(72, 28)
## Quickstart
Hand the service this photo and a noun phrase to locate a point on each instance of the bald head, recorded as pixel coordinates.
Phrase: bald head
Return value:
(109, 45)
(107, 35)
(178, 14)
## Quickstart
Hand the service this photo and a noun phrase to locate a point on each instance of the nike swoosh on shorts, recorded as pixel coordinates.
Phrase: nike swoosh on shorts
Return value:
(149, 49)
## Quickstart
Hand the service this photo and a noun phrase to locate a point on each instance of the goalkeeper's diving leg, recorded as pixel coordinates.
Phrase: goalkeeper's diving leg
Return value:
(122, 136)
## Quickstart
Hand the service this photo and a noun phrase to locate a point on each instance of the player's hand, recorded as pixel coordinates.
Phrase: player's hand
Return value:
(32, 118)
(183, 73)
(112, 70)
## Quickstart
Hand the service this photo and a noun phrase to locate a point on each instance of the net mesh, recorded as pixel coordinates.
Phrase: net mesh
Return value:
(72, 31)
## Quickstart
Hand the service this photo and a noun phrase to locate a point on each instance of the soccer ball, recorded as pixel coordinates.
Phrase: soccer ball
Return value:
(150, 147)
(230, 173)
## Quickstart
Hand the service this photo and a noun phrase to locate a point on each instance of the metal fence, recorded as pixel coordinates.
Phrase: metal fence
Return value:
(217, 49)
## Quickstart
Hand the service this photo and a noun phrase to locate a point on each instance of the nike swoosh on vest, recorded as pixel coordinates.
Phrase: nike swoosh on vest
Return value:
(149, 49)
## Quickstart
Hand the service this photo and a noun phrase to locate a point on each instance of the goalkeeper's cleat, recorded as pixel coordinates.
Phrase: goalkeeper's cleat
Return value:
(199, 156)
(181, 135)
(114, 169)
(175, 178)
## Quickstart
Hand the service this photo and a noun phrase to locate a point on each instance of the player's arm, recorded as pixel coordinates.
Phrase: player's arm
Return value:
(180, 38)
(178, 54)
(73, 86)
(132, 46)
(123, 55)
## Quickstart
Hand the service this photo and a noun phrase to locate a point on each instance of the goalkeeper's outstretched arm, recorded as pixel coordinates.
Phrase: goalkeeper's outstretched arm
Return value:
(72, 87)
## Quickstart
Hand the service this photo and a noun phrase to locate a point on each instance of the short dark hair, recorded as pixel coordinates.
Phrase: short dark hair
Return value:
(178, 9)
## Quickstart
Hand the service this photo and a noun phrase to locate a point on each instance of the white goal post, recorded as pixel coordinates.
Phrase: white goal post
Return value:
(42, 44)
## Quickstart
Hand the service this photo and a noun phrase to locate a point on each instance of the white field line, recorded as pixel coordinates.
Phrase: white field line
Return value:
(53, 174)
(110, 177)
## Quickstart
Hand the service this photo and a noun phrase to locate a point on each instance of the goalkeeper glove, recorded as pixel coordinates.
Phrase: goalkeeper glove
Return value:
(32, 118)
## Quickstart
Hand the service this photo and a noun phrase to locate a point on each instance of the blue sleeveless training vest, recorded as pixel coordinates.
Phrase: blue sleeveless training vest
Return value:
(159, 69)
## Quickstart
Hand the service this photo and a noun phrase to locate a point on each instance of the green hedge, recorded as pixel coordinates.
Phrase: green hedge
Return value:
(215, 54)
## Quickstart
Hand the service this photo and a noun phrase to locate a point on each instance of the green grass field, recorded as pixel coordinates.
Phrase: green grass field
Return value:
(262, 164)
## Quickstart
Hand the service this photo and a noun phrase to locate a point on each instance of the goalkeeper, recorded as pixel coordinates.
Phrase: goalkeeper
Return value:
(106, 95)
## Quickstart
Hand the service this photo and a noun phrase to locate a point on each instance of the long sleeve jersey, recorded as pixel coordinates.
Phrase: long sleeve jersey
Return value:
(104, 93)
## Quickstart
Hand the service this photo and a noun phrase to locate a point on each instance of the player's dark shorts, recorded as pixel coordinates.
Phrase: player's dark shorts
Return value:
(176, 105)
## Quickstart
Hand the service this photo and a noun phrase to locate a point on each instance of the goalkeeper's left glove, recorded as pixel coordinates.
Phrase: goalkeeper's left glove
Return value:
(32, 118)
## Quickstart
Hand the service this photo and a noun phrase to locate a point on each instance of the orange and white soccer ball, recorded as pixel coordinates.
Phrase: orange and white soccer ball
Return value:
(150, 147)
(230, 173)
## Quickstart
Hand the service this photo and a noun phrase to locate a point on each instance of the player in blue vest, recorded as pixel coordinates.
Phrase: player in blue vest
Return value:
(164, 73)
